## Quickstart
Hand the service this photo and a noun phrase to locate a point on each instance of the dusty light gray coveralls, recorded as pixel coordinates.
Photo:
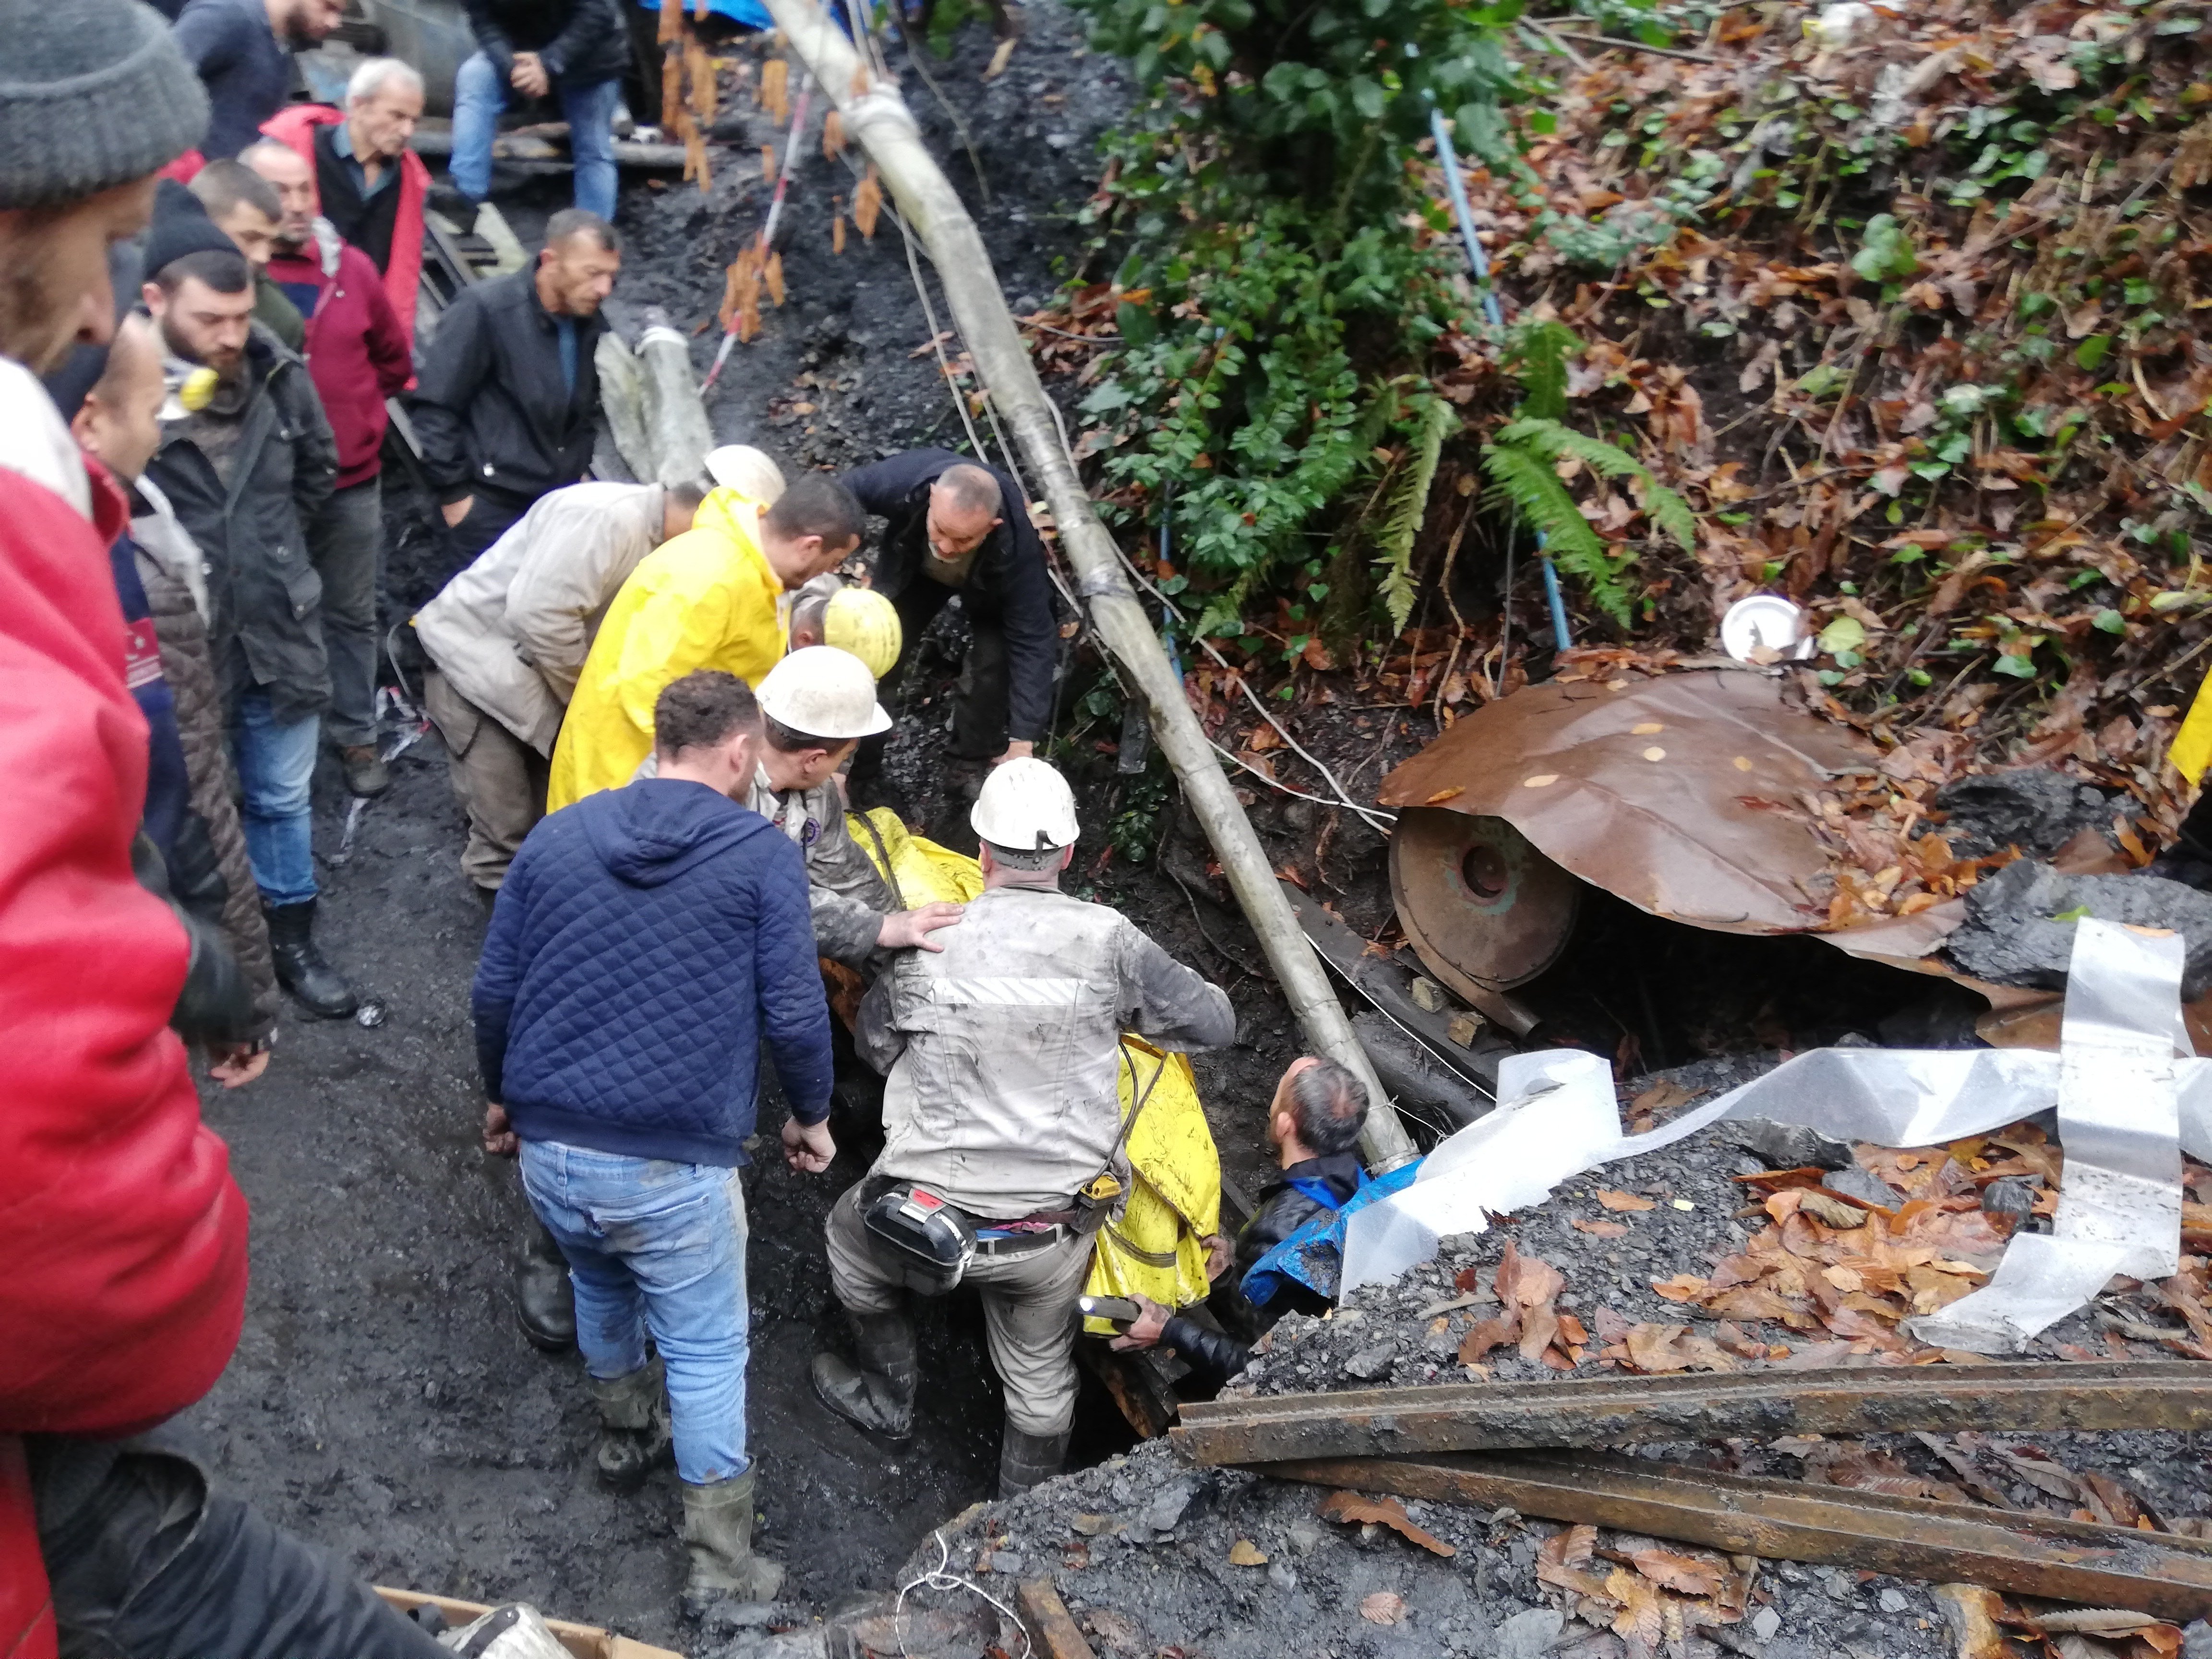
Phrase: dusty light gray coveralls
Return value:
(1001, 1053)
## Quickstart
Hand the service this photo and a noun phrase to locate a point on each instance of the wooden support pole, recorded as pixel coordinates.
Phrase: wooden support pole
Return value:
(877, 118)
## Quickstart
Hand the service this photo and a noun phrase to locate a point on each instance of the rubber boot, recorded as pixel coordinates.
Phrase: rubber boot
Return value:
(314, 984)
(544, 1300)
(633, 1429)
(1026, 1459)
(879, 1395)
(366, 774)
(718, 1531)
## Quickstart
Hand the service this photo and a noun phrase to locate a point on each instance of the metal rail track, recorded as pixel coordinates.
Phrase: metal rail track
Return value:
(1759, 1405)
(2019, 1555)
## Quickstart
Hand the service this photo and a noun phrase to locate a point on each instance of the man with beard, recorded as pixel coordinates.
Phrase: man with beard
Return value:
(242, 50)
(248, 463)
(509, 402)
(357, 356)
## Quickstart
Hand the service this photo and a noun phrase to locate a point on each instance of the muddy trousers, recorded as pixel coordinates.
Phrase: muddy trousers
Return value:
(1029, 1312)
(499, 779)
(146, 1563)
(659, 1247)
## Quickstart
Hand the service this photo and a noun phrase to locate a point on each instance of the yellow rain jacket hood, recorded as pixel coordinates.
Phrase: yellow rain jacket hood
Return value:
(706, 598)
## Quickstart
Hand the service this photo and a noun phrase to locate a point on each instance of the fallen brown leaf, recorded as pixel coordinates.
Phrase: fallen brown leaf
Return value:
(1382, 1607)
(1490, 1334)
(1246, 1554)
(1972, 1612)
(1622, 1202)
(998, 65)
(1641, 1617)
(1600, 1228)
(1353, 1509)
(1679, 1572)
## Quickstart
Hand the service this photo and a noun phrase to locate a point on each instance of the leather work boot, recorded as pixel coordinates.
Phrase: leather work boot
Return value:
(544, 1300)
(879, 1395)
(1026, 1459)
(718, 1531)
(366, 774)
(313, 983)
(634, 1431)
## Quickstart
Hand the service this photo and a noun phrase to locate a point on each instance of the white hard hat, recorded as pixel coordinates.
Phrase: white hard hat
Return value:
(745, 470)
(1025, 806)
(824, 693)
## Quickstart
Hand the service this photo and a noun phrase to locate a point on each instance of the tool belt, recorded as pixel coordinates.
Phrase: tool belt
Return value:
(931, 1241)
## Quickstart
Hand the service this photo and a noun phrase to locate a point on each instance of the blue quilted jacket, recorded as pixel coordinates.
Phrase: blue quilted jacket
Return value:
(646, 941)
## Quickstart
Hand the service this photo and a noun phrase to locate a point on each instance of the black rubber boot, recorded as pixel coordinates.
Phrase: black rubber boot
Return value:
(544, 1300)
(1026, 1458)
(878, 1395)
(634, 1429)
(313, 983)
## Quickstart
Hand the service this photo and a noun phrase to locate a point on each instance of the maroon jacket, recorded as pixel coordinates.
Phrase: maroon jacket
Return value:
(356, 352)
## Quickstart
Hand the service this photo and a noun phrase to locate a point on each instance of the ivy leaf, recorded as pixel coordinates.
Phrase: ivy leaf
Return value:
(1842, 634)
(2091, 352)
(2111, 621)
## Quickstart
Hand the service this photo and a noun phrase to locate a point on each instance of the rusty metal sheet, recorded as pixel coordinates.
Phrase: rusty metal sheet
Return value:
(1616, 1411)
(2019, 1555)
(1654, 792)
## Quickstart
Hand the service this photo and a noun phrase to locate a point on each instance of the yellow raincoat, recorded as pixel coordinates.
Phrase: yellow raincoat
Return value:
(2192, 746)
(1153, 1248)
(706, 598)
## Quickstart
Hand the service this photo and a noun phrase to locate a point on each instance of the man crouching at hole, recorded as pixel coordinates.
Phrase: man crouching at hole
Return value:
(1003, 1131)
(645, 942)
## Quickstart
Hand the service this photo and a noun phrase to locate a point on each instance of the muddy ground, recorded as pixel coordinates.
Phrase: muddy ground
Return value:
(382, 1401)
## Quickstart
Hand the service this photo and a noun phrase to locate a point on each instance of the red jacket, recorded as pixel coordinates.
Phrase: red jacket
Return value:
(125, 1284)
(357, 353)
(296, 126)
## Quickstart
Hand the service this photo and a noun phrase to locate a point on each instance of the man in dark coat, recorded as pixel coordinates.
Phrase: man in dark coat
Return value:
(246, 471)
(508, 404)
(242, 49)
(576, 51)
(956, 527)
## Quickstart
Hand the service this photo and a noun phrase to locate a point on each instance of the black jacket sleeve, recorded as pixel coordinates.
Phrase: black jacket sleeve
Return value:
(452, 370)
(583, 38)
(1032, 632)
(492, 39)
(1209, 1353)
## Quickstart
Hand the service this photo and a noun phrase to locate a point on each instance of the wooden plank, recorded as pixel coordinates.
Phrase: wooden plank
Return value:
(584, 1641)
(1045, 1618)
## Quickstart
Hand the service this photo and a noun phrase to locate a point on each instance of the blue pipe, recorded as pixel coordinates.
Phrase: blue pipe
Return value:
(1457, 187)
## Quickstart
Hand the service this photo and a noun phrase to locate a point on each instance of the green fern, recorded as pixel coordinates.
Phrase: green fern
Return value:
(1524, 479)
(1552, 439)
(1540, 352)
(1435, 420)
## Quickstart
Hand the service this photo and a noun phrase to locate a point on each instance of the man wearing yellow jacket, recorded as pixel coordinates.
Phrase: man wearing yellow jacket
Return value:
(712, 598)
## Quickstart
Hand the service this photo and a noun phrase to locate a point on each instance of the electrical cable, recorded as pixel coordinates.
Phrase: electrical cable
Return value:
(937, 1578)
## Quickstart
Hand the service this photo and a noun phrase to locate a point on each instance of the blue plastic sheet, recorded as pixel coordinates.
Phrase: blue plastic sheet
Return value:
(1314, 1255)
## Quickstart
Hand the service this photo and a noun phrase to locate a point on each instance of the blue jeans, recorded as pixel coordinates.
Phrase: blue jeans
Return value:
(656, 1246)
(275, 767)
(479, 95)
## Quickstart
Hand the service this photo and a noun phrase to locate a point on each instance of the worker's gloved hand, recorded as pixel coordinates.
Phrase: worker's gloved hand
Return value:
(1150, 1322)
(498, 1136)
(807, 1147)
(1219, 1253)
(905, 929)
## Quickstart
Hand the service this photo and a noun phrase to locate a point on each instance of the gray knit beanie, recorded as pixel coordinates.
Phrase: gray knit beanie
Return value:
(93, 94)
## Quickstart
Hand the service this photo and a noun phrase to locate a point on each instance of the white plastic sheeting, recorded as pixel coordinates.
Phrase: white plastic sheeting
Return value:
(2130, 1096)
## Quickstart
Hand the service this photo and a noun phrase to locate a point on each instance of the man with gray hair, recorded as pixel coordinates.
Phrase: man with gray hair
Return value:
(1001, 1123)
(368, 183)
(1313, 1129)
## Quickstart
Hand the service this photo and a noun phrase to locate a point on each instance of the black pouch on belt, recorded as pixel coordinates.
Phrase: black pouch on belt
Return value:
(929, 1241)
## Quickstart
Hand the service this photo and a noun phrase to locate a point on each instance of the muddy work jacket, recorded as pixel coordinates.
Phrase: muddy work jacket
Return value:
(1000, 1049)
(847, 896)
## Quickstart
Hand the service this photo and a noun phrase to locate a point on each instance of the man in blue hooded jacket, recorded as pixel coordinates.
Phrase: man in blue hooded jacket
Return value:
(646, 940)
